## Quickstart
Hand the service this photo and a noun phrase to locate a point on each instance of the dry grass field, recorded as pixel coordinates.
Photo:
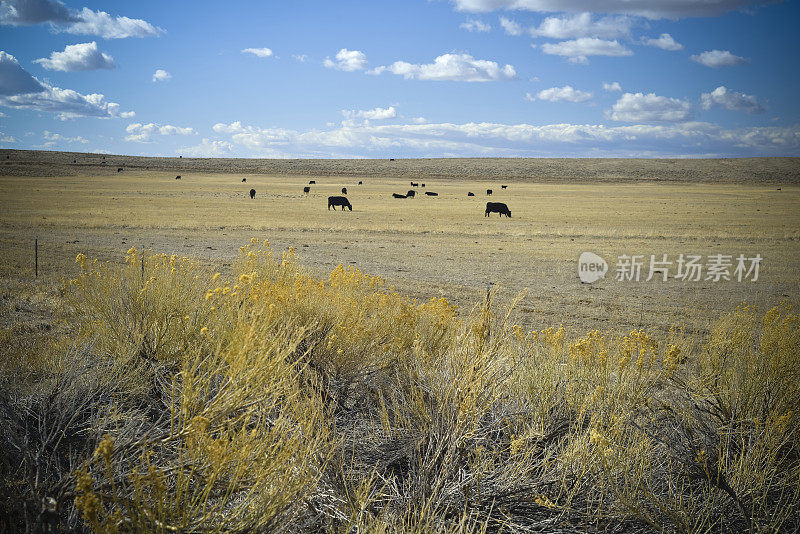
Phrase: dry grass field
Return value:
(194, 360)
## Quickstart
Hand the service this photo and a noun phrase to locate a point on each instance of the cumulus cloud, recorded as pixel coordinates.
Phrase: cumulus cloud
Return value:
(582, 25)
(258, 52)
(639, 107)
(452, 67)
(347, 60)
(718, 58)
(143, 133)
(371, 114)
(562, 94)
(578, 50)
(79, 22)
(613, 86)
(7, 138)
(731, 100)
(302, 58)
(83, 56)
(207, 149)
(497, 139)
(511, 27)
(161, 75)
(670, 9)
(18, 89)
(664, 42)
(53, 138)
(475, 25)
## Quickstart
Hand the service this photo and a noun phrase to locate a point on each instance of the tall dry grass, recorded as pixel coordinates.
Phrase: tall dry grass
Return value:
(183, 401)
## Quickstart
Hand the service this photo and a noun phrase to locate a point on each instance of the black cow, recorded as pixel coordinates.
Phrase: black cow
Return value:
(244, 180)
(74, 161)
(344, 190)
(178, 177)
(488, 191)
(423, 185)
(252, 193)
(411, 193)
(398, 195)
(470, 194)
(119, 169)
(503, 187)
(360, 182)
(339, 201)
(391, 159)
(414, 184)
(497, 207)
(312, 182)
(306, 190)
(431, 194)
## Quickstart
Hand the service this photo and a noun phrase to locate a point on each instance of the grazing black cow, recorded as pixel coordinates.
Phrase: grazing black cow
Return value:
(339, 201)
(360, 182)
(398, 195)
(411, 193)
(488, 191)
(252, 193)
(244, 180)
(414, 184)
(312, 182)
(503, 187)
(306, 190)
(470, 194)
(119, 169)
(178, 177)
(497, 207)
(431, 194)
(423, 185)
(344, 190)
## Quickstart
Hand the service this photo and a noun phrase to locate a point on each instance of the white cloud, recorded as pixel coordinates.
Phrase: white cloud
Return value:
(493, 139)
(419, 120)
(578, 50)
(371, 114)
(670, 9)
(7, 138)
(664, 42)
(475, 25)
(127, 114)
(452, 67)
(83, 56)
(563, 94)
(718, 58)
(28, 12)
(302, 58)
(731, 100)
(347, 60)
(258, 52)
(582, 25)
(56, 137)
(143, 133)
(511, 27)
(639, 107)
(208, 149)
(161, 75)
(613, 86)
(104, 25)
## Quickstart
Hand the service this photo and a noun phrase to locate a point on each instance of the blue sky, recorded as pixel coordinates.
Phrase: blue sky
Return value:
(418, 78)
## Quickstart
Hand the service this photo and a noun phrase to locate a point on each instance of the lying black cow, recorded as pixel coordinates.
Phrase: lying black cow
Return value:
(339, 201)
(414, 184)
(411, 193)
(497, 207)
(252, 193)
(431, 194)
(306, 190)
(470, 194)
(488, 191)
(244, 180)
(360, 182)
(398, 195)
(312, 182)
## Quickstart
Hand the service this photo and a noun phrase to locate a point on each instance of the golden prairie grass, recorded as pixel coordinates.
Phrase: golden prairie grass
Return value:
(268, 399)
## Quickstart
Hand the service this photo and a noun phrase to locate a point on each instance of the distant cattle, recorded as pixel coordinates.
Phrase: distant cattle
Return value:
(178, 177)
(470, 194)
(411, 193)
(119, 169)
(431, 194)
(503, 187)
(74, 161)
(497, 207)
(244, 180)
(423, 185)
(488, 191)
(398, 195)
(339, 201)
(414, 184)
(306, 190)
(391, 159)
(252, 193)
(104, 157)
(360, 182)
(312, 182)
(344, 190)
